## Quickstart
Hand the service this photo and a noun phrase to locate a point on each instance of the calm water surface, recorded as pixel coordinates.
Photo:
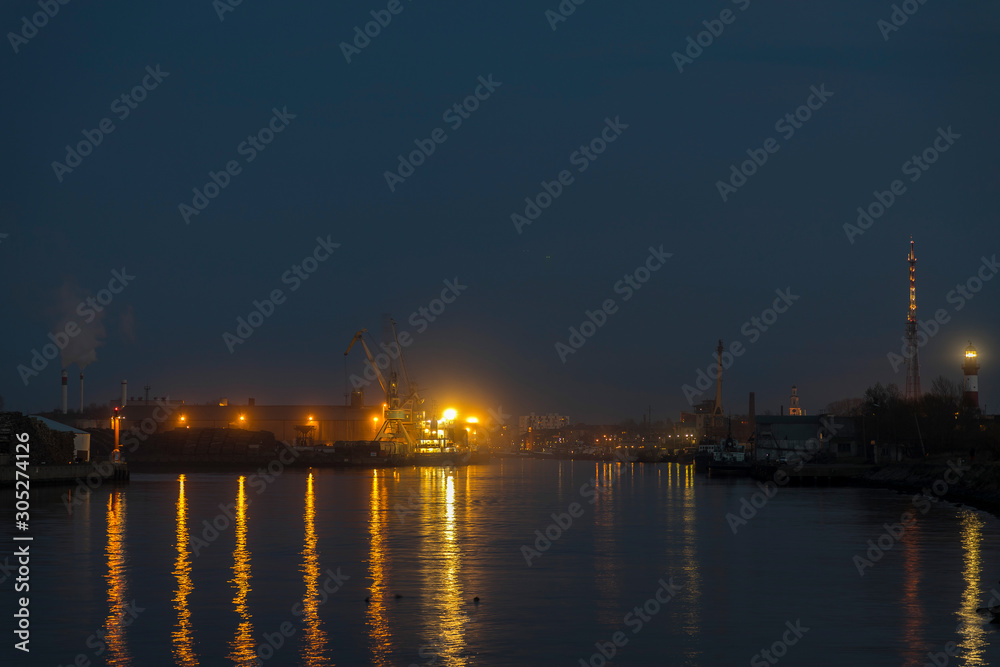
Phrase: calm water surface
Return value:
(138, 564)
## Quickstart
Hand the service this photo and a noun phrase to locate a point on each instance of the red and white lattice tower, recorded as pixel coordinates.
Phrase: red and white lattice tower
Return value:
(912, 363)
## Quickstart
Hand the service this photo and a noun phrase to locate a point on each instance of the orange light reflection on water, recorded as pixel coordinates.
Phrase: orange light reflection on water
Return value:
(378, 627)
(607, 568)
(691, 572)
(971, 647)
(119, 616)
(241, 648)
(442, 565)
(313, 638)
(183, 644)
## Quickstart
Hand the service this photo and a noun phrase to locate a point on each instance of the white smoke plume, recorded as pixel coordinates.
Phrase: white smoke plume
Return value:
(72, 306)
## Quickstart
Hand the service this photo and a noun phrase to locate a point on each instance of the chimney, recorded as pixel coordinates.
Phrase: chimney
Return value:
(81, 391)
(124, 393)
(251, 402)
(753, 416)
(65, 392)
(718, 382)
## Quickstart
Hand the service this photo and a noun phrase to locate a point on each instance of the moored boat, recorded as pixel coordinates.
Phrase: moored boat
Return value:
(729, 458)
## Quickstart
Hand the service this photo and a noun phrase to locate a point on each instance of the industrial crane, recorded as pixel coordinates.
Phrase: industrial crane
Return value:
(398, 415)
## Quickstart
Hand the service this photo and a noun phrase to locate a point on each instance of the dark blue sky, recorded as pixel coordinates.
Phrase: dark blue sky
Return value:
(323, 175)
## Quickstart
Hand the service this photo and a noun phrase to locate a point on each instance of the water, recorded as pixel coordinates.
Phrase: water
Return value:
(441, 537)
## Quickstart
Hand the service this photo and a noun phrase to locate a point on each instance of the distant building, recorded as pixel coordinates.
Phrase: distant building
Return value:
(541, 422)
(81, 439)
(793, 404)
(294, 424)
(706, 419)
(817, 439)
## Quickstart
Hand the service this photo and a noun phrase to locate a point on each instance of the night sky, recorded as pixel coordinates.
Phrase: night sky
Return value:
(551, 92)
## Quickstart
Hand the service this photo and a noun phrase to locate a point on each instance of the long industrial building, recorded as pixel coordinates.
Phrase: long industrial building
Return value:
(294, 424)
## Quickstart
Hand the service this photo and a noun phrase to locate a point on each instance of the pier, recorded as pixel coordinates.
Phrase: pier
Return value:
(68, 474)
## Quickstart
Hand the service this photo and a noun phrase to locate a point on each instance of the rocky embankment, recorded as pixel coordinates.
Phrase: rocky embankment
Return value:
(956, 479)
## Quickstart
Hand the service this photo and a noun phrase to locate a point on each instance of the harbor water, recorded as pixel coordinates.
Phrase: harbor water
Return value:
(572, 563)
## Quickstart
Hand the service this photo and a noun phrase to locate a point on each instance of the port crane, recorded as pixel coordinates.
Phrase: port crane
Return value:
(398, 418)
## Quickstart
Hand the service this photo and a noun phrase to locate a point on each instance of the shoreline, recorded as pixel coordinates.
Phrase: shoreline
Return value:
(978, 486)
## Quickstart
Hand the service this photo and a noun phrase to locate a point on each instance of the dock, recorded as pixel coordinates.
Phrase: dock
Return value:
(94, 472)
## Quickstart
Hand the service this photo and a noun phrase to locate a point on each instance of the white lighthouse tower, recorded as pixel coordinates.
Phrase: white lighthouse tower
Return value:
(970, 384)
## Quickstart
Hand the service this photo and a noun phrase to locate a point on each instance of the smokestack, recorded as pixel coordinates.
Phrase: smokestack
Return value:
(718, 381)
(124, 393)
(65, 392)
(753, 416)
(81, 392)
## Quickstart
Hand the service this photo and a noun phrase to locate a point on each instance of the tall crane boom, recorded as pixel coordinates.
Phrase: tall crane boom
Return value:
(398, 418)
(359, 337)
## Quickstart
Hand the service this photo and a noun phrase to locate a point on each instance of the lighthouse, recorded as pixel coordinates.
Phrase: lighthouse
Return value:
(970, 395)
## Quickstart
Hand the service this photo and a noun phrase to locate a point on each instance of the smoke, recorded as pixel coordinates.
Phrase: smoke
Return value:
(127, 324)
(72, 307)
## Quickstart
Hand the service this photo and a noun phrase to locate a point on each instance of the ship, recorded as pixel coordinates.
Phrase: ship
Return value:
(407, 433)
(707, 449)
(441, 442)
(729, 458)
